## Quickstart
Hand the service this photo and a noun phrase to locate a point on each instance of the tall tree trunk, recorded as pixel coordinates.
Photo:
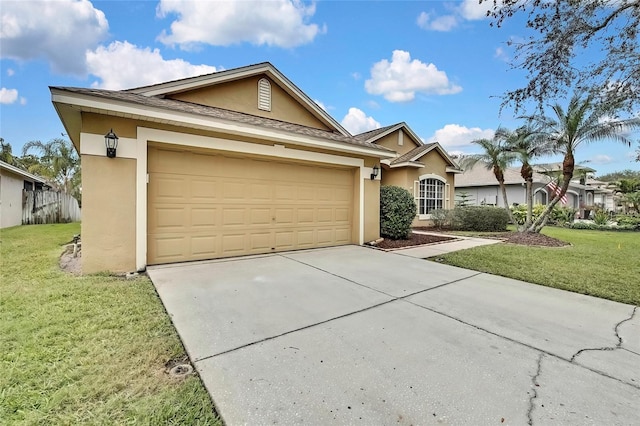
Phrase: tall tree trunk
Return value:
(527, 223)
(506, 203)
(497, 172)
(568, 165)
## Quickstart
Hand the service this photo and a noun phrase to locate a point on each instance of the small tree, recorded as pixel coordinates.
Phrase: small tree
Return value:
(397, 211)
(463, 199)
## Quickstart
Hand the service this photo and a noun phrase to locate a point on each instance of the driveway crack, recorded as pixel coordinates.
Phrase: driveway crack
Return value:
(608, 348)
(534, 391)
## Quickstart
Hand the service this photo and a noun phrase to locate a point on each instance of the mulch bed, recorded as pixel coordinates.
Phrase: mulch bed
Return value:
(414, 240)
(530, 239)
(521, 238)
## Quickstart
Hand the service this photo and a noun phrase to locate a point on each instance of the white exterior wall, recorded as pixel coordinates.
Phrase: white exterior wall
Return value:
(10, 199)
(492, 195)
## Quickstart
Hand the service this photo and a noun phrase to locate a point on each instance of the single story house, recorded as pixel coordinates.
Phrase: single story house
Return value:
(13, 182)
(237, 162)
(425, 170)
(482, 187)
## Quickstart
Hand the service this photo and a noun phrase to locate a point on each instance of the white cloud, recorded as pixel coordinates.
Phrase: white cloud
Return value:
(455, 135)
(439, 23)
(8, 96)
(123, 65)
(59, 31)
(468, 10)
(23, 100)
(356, 75)
(10, 72)
(601, 159)
(356, 121)
(501, 54)
(473, 10)
(283, 23)
(400, 79)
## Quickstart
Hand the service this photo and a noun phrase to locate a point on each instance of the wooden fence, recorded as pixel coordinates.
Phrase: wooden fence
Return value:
(49, 207)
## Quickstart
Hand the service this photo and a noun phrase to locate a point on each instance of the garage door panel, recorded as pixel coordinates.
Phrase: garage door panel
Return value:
(210, 206)
(204, 246)
(234, 190)
(204, 217)
(233, 216)
(260, 216)
(202, 190)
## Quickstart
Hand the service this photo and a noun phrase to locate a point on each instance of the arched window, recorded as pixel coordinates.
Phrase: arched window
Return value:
(432, 194)
(264, 94)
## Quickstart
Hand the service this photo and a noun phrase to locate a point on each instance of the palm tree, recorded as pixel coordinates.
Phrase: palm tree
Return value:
(582, 122)
(494, 157)
(59, 162)
(6, 154)
(527, 142)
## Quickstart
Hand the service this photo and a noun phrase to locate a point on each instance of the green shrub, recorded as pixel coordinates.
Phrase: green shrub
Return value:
(595, 227)
(559, 215)
(397, 211)
(628, 220)
(600, 217)
(440, 217)
(479, 218)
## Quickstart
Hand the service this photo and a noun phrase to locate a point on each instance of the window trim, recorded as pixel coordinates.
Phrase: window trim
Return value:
(445, 193)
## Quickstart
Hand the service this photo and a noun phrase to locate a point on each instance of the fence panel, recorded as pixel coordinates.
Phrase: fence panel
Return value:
(49, 207)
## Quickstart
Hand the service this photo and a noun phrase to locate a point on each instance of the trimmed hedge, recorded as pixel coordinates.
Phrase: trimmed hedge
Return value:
(595, 227)
(397, 211)
(479, 218)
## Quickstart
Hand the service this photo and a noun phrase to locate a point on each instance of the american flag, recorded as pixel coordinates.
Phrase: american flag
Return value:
(556, 190)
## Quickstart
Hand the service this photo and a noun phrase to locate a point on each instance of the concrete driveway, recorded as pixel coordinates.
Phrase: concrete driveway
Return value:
(352, 335)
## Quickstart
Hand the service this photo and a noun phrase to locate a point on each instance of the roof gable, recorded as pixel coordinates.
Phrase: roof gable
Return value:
(375, 135)
(179, 89)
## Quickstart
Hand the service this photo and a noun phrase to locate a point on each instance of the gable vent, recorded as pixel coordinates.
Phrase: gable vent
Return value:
(264, 94)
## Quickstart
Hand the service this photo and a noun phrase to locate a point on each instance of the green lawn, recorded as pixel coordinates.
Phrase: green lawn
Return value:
(85, 350)
(602, 264)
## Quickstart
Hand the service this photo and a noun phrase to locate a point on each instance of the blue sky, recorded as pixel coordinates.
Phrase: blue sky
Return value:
(436, 65)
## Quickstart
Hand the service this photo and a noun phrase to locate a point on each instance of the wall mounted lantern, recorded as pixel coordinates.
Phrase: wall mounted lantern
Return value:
(374, 172)
(111, 142)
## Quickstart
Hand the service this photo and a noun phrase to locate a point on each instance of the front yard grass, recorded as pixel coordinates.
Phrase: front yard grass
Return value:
(85, 350)
(599, 263)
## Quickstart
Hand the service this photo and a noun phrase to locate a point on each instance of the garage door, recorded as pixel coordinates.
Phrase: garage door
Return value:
(203, 206)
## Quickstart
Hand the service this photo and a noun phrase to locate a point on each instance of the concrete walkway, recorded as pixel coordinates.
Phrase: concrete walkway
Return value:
(350, 335)
(432, 250)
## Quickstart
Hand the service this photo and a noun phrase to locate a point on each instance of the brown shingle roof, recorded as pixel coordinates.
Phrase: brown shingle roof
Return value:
(218, 113)
(372, 133)
(414, 153)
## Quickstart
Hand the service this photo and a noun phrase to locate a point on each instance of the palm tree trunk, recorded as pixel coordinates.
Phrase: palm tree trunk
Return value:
(529, 204)
(506, 203)
(568, 165)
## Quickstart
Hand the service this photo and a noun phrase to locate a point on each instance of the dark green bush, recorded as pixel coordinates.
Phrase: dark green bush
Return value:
(595, 227)
(397, 211)
(479, 218)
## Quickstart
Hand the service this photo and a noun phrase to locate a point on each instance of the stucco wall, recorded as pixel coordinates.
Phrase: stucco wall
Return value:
(242, 96)
(391, 141)
(10, 199)
(406, 176)
(492, 195)
(108, 214)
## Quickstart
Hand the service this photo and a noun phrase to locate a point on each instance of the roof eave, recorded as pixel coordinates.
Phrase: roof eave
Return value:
(117, 108)
(178, 86)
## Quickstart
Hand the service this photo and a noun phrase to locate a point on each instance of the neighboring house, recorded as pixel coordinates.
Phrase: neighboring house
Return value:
(603, 196)
(13, 181)
(232, 163)
(425, 170)
(481, 184)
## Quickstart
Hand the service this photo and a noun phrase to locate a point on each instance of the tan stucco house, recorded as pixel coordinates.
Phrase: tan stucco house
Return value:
(13, 182)
(425, 170)
(232, 163)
